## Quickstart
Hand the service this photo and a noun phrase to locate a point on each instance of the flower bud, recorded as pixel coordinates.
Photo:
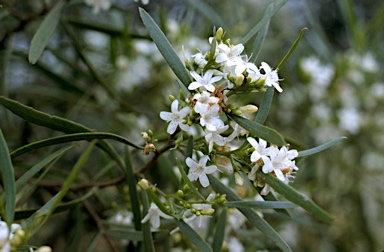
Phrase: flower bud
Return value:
(149, 147)
(207, 211)
(44, 249)
(144, 184)
(18, 237)
(248, 109)
(171, 98)
(180, 193)
(145, 136)
(219, 34)
(239, 79)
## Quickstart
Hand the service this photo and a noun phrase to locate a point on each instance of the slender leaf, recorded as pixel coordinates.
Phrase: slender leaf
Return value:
(296, 197)
(271, 197)
(45, 32)
(192, 236)
(265, 105)
(251, 215)
(259, 40)
(320, 147)
(165, 48)
(293, 47)
(208, 12)
(148, 240)
(56, 123)
(259, 130)
(38, 219)
(8, 176)
(134, 197)
(70, 138)
(261, 204)
(220, 232)
(37, 167)
(271, 10)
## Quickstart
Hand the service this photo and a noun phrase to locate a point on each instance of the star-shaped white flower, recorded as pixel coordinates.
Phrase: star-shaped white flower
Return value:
(215, 137)
(200, 170)
(206, 81)
(203, 101)
(228, 53)
(261, 150)
(210, 119)
(175, 117)
(154, 214)
(271, 77)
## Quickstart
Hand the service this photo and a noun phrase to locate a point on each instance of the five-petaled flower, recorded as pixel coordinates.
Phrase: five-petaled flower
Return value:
(200, 170)
(154, 214)
(206, 81)
(175, 117)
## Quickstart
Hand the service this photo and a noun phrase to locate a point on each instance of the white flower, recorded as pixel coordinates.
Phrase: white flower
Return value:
(271, 77)
(261, 150)
(175, 117)
(98, 5)
(199, 59)
(204, 101)
(280, 162)
(200, 170)
(210, 119)
(154, 214)
(237, 131)
(206, 81)
(6, 235)
(228, 53)
(215, 137)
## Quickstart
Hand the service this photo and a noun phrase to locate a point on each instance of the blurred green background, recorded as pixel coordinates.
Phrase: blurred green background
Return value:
(333, 86)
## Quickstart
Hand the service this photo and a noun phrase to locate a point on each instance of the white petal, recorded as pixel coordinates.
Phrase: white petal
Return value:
(210, 169)
(184, 112)
(252, 141)
(191, 163)
(194, 85)
(175, 106)
(172, 127)
(167, 116)
(255, 156)
(279, 174)
(204, 180)
(203, 160)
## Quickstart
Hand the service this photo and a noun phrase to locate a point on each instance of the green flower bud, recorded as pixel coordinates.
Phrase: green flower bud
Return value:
(207, 211)
(219, 34)
(248, 109)
(171, 98)
(180, 193)
(144, 184)
(239, 79)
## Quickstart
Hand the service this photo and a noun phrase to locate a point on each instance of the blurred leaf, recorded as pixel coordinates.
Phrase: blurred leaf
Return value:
(40, 165)
(38, 219)
(23, 214)
(261, 204)
(165, 48)
(259, 130)
(265, 105)
(132, 183)
(271, 10)
(132, 235)
(45, 32)
(146, 227)
(293, 47)
(70, 138)
(251, 215)
(8, 177)
(296, 197)
(188, 153)
(54, 122)
(259, 40)
(193, 237)
(320, 147)
(220, 232)
(209, 12)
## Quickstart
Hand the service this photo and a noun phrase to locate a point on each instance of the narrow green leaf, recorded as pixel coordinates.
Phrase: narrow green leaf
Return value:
(192, 236)
(134, 197)
(261, 204)
(296, 197)
(71, 138)
(220, 232)
(271, 10)
(165, 48)
(187, 181)
(259, 130)
(38, 219)
(126, 234)
(265, 105)
(251, 215)
(45, 32)
(293, 47)
(259, 40)
(209, 12)
(56, 123)
(40, 165)
(320, 147)
(146, 227)
(8, 176)
(271, 197)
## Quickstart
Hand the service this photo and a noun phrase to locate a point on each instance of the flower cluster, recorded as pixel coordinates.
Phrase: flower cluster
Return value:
(279, 162)
(10, 237)
(216, 75)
